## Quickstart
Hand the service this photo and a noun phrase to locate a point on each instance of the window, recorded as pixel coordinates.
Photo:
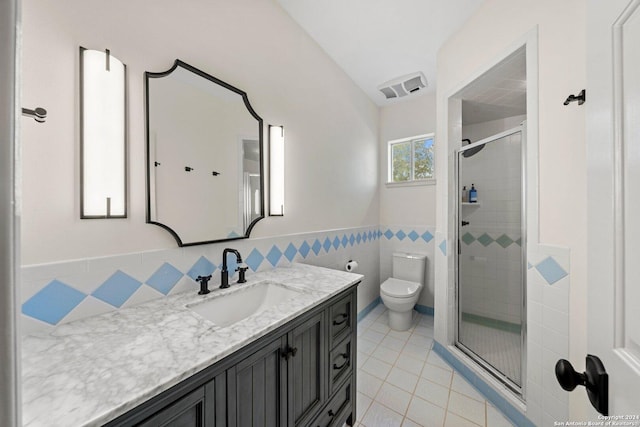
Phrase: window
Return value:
(411, 159)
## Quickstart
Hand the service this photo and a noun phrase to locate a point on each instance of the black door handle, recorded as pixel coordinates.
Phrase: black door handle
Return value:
(465, 223)
(595, 379)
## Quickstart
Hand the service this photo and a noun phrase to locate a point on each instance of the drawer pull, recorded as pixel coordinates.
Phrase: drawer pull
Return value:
(344, 316)
(346, 360)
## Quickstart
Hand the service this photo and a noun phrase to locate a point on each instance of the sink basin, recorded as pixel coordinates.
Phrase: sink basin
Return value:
(228, 309)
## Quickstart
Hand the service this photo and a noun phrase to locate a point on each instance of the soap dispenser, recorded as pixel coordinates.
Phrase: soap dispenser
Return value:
(473, 194)
(465, 194)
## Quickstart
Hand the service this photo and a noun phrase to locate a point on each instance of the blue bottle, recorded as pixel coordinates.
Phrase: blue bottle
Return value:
(473, 194)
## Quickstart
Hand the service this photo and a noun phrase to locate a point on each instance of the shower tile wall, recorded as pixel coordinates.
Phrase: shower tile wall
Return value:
(491, 245)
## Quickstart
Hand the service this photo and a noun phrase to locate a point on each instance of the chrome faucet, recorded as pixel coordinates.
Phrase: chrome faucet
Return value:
(242, 268)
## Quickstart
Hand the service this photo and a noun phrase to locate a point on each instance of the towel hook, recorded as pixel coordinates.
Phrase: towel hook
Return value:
(581, 98)
(38, 114)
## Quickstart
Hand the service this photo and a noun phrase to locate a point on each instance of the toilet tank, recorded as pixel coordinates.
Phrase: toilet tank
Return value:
(411, 267)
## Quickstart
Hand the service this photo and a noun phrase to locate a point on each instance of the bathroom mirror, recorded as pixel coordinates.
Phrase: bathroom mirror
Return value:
(204, 157)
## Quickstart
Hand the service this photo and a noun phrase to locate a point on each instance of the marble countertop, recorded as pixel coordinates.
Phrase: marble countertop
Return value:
(88, 372)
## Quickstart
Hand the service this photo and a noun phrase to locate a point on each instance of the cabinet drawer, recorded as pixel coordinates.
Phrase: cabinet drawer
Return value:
(338, 409)
(340, 362)
(341, 319)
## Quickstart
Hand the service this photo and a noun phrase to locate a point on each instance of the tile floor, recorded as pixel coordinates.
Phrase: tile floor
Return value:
(401, 382)
(499, 348)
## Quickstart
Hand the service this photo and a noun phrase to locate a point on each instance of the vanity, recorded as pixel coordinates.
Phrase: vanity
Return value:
(291, 363)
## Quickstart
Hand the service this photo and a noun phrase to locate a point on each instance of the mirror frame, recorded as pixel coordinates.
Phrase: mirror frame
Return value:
(178, 63)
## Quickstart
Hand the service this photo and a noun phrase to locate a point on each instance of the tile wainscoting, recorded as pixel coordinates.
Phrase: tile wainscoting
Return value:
(61, 292)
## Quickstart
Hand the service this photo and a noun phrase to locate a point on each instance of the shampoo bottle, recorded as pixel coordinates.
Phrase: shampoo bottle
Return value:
(465, 194)
(473, 194)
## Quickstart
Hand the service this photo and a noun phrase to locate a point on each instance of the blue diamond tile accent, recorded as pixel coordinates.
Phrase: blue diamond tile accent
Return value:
(274, 255)
(443, 247)
(202, 267)
(551, 270)
(336, 242)
(117, 289)
(370, 235)
(388, 234)
(327, 244)
(504, 241)
(427, 237)
(352, 239)
(345, 241)
(358, 238)
(485, 240)
(519, 241)
(468, 238)
(233, 235)
(165, 278)
(254, 260)
(364, 236)
(290, 252)
(401, 235)
(304, 249)
(316, 247)
(529, 266)
(53, 302)
(413, 235)
(379, 233)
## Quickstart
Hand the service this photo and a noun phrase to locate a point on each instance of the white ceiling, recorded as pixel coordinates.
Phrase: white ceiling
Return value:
(374, 41)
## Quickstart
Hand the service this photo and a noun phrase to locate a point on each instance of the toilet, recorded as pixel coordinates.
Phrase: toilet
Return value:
(400, 292)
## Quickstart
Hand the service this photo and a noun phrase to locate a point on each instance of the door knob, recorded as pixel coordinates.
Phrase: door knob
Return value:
(595, 379)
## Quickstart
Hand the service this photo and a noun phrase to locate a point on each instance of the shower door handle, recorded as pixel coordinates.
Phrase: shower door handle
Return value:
(465, 223)
(595, 379)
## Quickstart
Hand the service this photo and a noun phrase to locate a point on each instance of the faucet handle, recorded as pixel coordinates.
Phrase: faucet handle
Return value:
(204, 282)
(242, 268)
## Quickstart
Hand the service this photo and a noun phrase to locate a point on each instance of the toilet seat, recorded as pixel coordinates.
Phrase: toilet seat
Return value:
(399, 288)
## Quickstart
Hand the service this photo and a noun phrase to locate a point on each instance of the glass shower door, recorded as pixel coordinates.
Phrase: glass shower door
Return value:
(491, 253)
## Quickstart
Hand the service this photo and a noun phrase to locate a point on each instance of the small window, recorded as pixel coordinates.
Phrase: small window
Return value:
(411, 159)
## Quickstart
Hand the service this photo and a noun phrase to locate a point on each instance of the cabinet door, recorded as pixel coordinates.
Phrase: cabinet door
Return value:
(257, 388)
(307, 379)
(188, 411)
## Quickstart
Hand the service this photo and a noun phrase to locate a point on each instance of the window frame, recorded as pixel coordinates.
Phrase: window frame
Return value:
(412, 180)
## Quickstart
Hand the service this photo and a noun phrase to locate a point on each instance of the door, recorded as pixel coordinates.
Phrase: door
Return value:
(491, 255)
(258, 389)
(188, 411)
(613, 142)
(307, 378)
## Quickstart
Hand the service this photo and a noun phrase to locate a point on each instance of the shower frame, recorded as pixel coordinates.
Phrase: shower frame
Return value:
(519, 391)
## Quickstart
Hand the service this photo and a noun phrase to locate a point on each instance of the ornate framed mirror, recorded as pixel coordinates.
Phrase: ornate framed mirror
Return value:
(205, 177)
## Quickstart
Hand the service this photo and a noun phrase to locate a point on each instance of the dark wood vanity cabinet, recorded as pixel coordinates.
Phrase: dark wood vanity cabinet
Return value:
(302, 374)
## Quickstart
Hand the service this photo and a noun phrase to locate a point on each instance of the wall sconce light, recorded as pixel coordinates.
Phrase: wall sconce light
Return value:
(103, 135)
(276, 171)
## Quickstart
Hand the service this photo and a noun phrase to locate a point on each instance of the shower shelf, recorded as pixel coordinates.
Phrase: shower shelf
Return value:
(470, 204)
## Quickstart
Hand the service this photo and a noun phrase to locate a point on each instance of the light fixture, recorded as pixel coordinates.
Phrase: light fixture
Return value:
(276, 170)
(103, 135)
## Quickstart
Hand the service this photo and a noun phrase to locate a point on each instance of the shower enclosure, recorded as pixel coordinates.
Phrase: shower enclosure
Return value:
(491, 256)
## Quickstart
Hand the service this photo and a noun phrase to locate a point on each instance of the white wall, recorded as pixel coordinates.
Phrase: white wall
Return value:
(331, 126)
(408, 204)
(407, 208)
(477, 131)
(493, 31)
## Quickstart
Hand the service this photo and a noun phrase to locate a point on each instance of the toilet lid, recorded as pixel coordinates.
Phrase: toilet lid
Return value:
(399, 288)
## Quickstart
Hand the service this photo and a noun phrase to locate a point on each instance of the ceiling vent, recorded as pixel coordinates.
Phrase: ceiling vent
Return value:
(403, 86)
